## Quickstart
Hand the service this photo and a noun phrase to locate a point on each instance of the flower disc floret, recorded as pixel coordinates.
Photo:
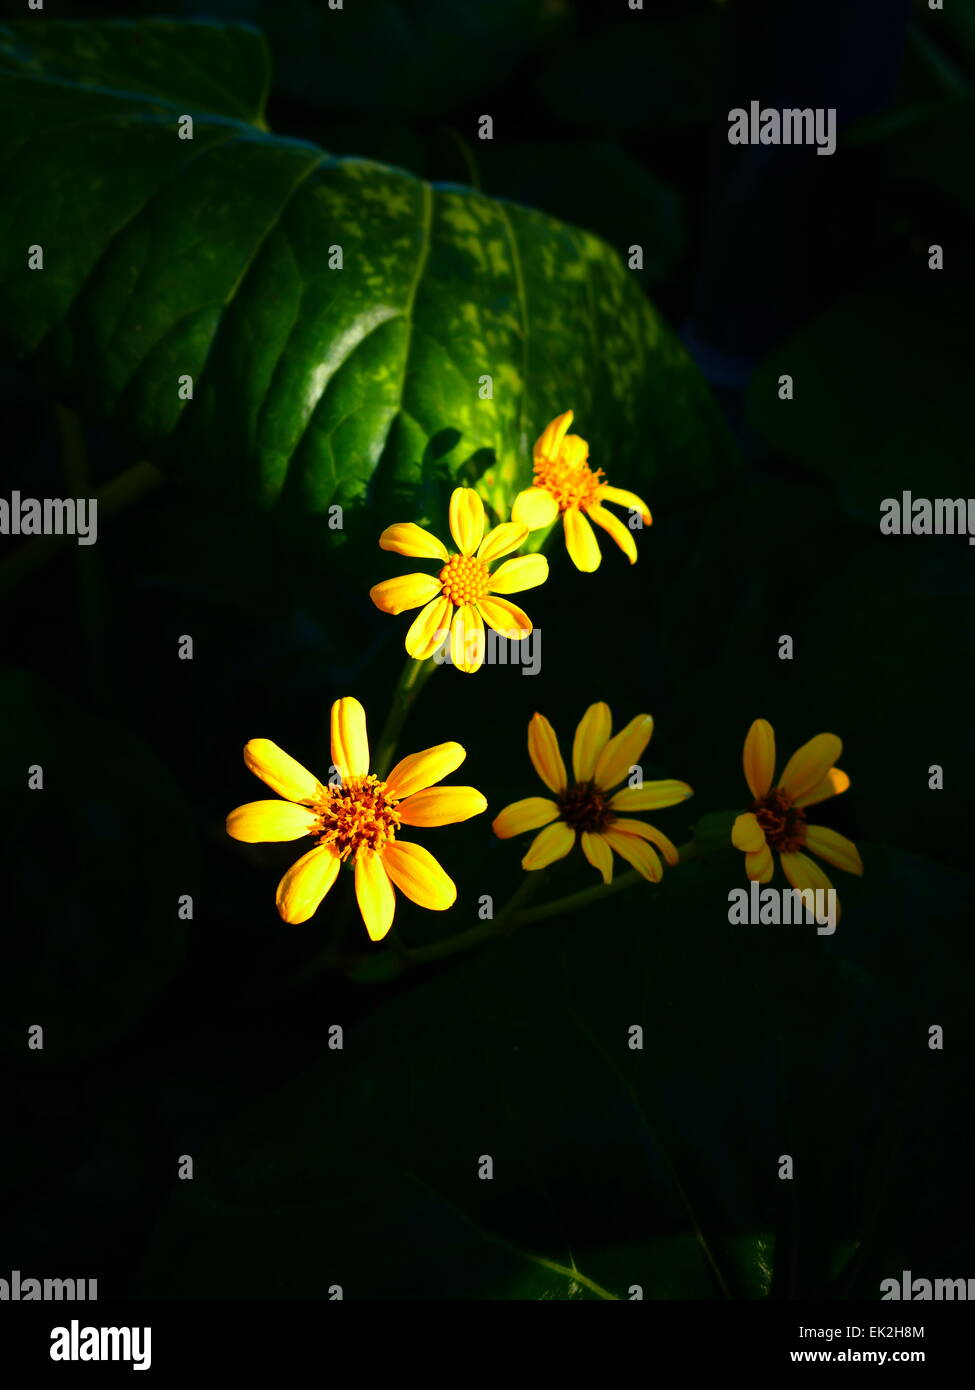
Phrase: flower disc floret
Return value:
(465, 579)
(357, 815)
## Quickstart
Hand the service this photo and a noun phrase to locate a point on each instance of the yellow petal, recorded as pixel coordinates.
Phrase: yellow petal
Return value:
(429, 629)
(591, 736)
(502, 541)
(804, 873)
(543, 749)
(549, 443)
(833, 784)
(305, 884)
(417, 874)
(554, 842)
(404, 592)
(622, 498)
(442, 806)
(467, 639)
(758, 758)
(623, 752)
(760, 865)
(580, 541)
(652, 796)
(406, 538)
(505, 617)
(834, 848)
(810, 764)
(651, 833)
(280, 771)
(377, 903)
(621, 534)
(529, 814)
(535, 508)
(637, 852)
(260, 822)
(350, 745)
(466, 519)
(523, 572)
(418, 771)
(599, 854)
(574, 451)
(746, 833)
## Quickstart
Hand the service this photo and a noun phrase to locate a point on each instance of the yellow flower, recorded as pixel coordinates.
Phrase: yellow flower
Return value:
(357, 821)
(565, 483)
(776, 820)
(463, 596)
(586, 806)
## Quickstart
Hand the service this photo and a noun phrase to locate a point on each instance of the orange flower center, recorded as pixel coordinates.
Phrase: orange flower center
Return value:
(465, 579)
(584, 807)
(783, 823)
(571, 484)
(357, 814)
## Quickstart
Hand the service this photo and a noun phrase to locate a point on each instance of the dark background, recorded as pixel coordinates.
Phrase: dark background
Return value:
(208, 1038)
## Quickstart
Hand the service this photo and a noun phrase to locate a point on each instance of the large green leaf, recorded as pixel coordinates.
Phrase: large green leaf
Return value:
(166, 257)
(624, 202)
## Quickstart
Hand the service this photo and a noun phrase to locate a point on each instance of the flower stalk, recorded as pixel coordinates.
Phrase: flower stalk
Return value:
(412, 679)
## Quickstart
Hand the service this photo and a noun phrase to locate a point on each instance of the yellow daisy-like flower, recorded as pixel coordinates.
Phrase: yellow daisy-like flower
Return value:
(463, 597)
(587, 806)
(356, 822)
(565, 483)
(776, 820)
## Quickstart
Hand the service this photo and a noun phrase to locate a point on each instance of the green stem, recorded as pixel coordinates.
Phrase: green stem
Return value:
(572, 902)
(473, 175)
(413, 678)
(33, 555)
(573, 1274)
(938, 63)
(515, 914)
(421, 955)
(505, 922)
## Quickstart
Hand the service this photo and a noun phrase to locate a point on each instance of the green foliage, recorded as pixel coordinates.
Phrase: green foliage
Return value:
(623, 201)
(316, 385)
(312, 385)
